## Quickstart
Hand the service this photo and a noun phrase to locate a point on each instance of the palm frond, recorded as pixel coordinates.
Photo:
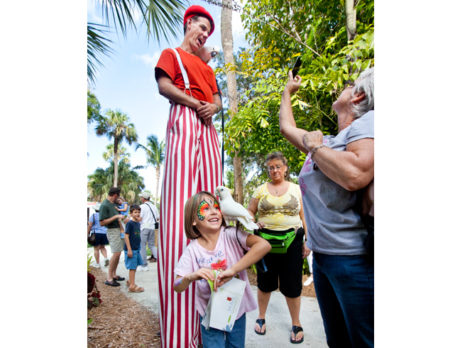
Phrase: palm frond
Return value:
(163, 17)
(139, 167)
(120, 12)
(97, 45)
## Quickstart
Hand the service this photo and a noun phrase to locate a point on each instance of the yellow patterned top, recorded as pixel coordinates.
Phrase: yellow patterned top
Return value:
(279, 213)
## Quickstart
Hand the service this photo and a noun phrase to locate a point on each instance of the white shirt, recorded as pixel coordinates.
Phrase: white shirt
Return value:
(148, 221)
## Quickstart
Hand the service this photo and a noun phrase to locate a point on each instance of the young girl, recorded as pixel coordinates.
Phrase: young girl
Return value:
(122, 207)
(215, 247)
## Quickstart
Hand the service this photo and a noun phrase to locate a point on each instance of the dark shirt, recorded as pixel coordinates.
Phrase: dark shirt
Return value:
(133, 230)
(106, 211)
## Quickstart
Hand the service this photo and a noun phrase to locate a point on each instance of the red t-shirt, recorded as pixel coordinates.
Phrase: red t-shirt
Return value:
(201, 76)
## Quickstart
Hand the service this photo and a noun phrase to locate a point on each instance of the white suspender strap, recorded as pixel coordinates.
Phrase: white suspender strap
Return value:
(184, 73)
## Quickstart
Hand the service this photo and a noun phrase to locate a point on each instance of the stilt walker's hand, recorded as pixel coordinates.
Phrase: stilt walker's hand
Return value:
(206, 111)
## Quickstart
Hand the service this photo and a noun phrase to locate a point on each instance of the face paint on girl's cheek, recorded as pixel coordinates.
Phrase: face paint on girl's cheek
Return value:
(200, 212)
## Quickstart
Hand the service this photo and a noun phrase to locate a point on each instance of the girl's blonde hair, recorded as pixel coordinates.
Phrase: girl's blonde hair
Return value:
(190, 212)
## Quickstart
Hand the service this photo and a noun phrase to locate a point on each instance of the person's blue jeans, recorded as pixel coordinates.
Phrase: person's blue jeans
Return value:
(213, 338)
(344, 288)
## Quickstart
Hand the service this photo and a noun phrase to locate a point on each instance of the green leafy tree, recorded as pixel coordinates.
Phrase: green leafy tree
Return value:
(115, 125)
(130, 182)
(162, 18)
(227, 44)
(279, 32)
(94, 107)
(155, 152)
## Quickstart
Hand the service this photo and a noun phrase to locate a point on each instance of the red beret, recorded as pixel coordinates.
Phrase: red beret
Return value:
(195, 10)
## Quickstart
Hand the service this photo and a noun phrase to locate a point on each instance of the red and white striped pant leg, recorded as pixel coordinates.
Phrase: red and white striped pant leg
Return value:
(210, 166)
(184, 162)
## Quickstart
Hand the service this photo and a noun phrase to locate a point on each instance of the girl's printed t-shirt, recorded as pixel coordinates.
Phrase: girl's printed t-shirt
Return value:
(227, 252)
(279, 213)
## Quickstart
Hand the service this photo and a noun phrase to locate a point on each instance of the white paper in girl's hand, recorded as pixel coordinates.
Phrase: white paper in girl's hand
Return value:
(224, 305)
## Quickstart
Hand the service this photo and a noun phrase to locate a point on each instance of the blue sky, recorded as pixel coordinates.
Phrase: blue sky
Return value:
(126, 82)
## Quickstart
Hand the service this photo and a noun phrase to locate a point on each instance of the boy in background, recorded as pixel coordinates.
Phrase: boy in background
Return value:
(132, 245)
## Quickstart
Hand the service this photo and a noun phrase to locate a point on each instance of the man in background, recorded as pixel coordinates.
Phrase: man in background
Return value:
(111, 218)
(149, 223)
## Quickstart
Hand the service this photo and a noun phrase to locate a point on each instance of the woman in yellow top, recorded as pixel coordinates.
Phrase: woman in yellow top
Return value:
(278, 203)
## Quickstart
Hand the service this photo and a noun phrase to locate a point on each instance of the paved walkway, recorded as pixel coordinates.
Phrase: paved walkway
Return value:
(277, 318)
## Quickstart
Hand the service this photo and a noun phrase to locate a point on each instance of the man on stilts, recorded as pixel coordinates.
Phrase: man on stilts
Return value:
(192, 164)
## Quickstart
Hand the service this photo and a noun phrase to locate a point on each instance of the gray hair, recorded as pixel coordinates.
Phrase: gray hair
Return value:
(365, 84)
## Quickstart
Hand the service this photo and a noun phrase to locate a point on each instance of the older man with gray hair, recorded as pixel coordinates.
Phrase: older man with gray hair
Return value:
(149, 223)
(336, 169)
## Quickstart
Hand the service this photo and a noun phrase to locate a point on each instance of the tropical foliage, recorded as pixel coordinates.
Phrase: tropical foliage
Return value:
(155, 152)
(98, 46)
(94, 107)
(115, 125)
(123, 154)
(129, 181)
(162, 19)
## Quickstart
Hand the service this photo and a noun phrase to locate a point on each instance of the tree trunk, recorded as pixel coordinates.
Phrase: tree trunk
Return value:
(115, 162)
(157, 169)
(350, 11)
(227, 45)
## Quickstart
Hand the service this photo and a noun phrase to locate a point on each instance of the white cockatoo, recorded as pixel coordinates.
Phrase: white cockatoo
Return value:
(232, 210)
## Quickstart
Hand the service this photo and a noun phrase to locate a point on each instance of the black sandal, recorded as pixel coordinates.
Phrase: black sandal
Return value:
(112, 283)
(296, 330)
(118, 278)
(260, 322)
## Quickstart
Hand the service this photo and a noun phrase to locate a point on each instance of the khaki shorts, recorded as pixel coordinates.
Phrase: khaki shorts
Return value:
(115, 241)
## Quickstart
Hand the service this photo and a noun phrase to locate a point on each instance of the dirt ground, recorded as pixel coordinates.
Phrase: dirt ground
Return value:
(120, 322)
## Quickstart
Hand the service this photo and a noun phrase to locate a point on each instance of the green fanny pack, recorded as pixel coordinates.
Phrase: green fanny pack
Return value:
(279, 240)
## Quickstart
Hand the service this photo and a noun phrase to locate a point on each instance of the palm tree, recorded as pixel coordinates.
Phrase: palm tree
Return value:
(129, 181)
(155, 156)
(97, 185)
(115, 126)
(123, 154)
(161, 17)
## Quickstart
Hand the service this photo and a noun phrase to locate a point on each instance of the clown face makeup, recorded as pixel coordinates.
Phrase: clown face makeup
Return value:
(208, 215)
(203, 207)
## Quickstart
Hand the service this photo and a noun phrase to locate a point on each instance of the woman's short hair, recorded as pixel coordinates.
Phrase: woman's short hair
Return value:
(190, 213)
(365, 84)
(279, 156)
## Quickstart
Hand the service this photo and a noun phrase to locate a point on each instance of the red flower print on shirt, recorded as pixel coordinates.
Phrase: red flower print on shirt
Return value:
(219, 265)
